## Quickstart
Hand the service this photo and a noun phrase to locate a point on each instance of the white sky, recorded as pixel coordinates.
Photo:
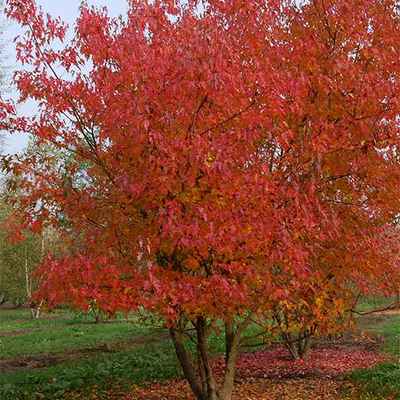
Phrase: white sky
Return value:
(68, 10)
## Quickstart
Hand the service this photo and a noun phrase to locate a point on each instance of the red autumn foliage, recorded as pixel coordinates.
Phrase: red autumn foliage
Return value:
(212, 153)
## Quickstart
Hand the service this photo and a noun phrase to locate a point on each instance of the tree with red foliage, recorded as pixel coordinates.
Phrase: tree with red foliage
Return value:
(325, 303)
(209, 145)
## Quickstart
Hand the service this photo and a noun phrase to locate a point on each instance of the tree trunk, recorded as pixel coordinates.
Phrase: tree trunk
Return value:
(297, 347)
(229, 335)
(201, 377)
(290, 345)
(209, 384)
(28, 283)
(306, 346)
(303, 344)
(230, 361)
(186, 363)
(35, 310)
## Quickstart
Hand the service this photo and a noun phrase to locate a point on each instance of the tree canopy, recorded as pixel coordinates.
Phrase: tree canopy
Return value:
(223, 156)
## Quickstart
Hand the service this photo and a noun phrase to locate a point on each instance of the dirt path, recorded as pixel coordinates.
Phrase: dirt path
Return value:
(388, 312)
(45, 360)
(18, 332)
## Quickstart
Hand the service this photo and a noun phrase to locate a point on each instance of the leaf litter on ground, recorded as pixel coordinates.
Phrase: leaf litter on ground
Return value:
(272, 375)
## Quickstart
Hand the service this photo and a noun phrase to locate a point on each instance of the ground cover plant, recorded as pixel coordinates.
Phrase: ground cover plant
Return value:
(218, 164)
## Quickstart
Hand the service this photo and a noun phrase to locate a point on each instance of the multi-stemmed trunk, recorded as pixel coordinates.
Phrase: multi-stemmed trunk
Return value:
(198, 371)
(297, 345)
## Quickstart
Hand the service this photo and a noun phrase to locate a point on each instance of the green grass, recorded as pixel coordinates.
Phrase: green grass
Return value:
(103, 355)
(389, 328)
(374, 302)
(116, 371)
(57, 332)
(382, 381)
(122, 363)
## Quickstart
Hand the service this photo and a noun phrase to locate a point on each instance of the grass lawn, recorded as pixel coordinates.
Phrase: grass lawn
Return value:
(100, 374)
(58, 332)
(375, 303)
(67, 356)
(383, 381)
(49, 357)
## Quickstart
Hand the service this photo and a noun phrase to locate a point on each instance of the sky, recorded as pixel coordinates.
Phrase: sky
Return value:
(68, 11)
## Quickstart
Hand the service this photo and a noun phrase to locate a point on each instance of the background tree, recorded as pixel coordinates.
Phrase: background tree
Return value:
(22, 250)
(17, 263)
